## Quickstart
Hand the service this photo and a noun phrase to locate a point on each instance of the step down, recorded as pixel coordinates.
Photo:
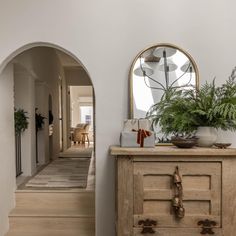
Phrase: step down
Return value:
(56, 203)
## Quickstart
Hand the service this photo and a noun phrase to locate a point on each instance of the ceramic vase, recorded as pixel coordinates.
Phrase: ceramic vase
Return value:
(207, 136)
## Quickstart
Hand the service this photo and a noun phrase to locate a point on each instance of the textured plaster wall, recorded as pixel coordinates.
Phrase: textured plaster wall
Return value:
(106, 35)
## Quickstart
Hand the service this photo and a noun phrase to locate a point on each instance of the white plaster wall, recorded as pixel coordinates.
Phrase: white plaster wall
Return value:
(41, 102)
(24, 98)
(7, 144)
(65, 115)
(106, 35)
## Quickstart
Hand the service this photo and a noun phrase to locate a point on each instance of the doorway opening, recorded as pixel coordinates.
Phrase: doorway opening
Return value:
(81, 116)
(56, 95)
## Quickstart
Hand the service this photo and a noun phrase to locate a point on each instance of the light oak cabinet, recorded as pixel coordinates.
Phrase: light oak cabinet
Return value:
(145, 191)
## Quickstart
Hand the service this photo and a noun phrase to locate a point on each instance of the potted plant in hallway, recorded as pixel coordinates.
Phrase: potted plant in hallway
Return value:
(21, 124)
(39, 122)
(21, 121)
(183, 112)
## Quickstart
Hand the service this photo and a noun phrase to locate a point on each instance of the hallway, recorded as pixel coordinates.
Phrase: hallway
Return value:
(54, 203)
(62, 173)
(78, 150)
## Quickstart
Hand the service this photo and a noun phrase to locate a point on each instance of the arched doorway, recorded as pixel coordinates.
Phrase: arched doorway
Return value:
(48, 73)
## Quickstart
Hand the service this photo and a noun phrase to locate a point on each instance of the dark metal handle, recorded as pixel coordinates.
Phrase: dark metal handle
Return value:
(147, 226)
(207, 226)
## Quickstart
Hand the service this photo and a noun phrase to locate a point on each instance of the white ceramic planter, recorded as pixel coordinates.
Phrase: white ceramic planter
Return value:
(207, 136)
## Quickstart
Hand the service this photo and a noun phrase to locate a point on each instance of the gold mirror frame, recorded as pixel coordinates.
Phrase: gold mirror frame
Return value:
(131, 98)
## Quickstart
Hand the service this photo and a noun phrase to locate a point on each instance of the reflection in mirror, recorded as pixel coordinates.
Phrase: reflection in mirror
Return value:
(156, 70)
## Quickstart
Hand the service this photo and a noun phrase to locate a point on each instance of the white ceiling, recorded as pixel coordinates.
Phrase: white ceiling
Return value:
(66, 60)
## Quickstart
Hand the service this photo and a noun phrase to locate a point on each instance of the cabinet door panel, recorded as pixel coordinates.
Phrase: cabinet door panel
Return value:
(153, 192)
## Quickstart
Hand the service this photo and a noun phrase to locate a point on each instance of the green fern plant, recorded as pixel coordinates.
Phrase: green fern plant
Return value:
(21, 121)
(181, 112)
(216, 106)
(174, 114)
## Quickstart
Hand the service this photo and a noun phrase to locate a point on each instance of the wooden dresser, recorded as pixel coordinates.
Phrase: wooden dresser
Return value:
(146, 180)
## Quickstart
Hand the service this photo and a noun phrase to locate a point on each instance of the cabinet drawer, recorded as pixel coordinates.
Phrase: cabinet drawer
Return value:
(153, 193)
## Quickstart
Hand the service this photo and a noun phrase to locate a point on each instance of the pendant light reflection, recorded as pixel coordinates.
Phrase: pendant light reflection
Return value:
(164, 52)
(187, 67)
(159, 63)
(143, 70)
(170, 66)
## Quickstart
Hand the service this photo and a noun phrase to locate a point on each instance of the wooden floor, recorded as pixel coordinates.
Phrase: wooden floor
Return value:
(78, 150)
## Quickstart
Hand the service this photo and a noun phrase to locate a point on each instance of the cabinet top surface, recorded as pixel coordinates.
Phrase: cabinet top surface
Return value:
(172, 151)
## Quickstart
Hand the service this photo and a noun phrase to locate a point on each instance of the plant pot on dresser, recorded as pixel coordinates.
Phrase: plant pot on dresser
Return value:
(167, 191)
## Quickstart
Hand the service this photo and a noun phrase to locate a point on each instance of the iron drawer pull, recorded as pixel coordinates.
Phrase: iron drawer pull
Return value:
(207, 226)
(147, 226)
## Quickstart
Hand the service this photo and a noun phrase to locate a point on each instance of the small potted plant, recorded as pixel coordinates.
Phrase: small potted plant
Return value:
(182, 112)
(215, 109)
(21, 124)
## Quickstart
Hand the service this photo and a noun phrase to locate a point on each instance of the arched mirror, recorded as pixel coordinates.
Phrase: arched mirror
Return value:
(154, 71)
